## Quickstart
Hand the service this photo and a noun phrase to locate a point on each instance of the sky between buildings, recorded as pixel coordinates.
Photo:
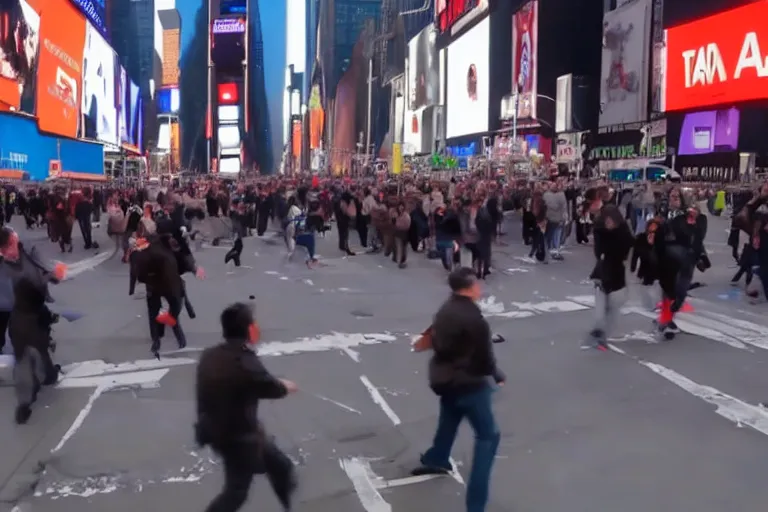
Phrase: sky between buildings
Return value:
(273, 29)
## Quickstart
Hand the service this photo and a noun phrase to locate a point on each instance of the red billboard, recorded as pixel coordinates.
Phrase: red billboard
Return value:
(448, 12)
(718, 60)
(228, 94)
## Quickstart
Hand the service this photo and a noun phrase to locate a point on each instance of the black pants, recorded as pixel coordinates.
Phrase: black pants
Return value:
(156, 329)
(343, 228)
(5, 316)
(362, 229)
(241, 463)
(85, 229)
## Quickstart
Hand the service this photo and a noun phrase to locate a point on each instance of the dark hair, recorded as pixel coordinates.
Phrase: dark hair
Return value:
(236, 320)
(461, 279)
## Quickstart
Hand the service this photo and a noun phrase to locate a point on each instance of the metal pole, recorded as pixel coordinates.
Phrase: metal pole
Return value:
(208, 112)
(370, 91)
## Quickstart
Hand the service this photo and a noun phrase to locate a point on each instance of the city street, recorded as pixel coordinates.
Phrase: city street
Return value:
(648, 426)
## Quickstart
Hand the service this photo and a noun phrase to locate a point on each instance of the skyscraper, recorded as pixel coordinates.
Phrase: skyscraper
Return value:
(259, 135)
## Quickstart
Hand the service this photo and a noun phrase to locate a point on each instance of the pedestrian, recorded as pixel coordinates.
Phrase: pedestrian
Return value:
(460, 373)
(231, 380)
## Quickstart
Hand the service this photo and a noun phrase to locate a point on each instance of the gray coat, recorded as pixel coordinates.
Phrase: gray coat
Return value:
(29, 266)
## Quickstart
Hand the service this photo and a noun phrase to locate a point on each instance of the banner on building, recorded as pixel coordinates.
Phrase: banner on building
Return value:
(525, 37)
(563, 107)
(568, 148)
(623, 77)
(60, 74)
(423, 70)
(19, 43)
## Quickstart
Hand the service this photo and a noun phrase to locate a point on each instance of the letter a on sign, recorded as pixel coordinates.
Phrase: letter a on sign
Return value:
(718, 60)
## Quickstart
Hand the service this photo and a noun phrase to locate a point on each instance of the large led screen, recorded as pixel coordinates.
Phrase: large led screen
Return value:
(233, 6)
(124, 105)
(99, 89)
(423, 70)
(164, 135)
(136, 117)
(229, 165)
(709, 132)
(467, 84)
(95, 11)
(168, 101)
(229, 139)
(229, 114)
(228, 44)
(19, 43)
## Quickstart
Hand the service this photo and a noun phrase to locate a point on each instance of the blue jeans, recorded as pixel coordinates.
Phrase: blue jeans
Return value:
(554, 232)
(476, 407)
(307, 240)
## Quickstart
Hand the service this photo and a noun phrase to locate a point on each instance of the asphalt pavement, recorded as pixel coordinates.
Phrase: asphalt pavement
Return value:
(648, 426)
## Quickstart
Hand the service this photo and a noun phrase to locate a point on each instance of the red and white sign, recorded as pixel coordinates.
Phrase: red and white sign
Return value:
(718, 60)
(525, 58)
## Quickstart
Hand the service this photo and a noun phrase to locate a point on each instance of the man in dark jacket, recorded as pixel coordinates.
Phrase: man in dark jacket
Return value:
(460, 373)
(613, 241)
(230, 382)
(154, 263)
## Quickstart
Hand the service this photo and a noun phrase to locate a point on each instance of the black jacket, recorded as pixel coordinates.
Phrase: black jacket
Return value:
(30, 320)
(157, 265)
(462, 358)
(611, 247)
(230, 382)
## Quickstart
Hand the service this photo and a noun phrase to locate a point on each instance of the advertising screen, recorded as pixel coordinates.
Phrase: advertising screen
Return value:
(709, 132)
(123, 94)
(229, 165)
(95, 11)
(138, 128)
(228, 44)
(233, 6)
(525, 38)
(229, 139)
(448, 12)
(99, 89)
(467, 84)
(60, 69)
(134, 117)
(168, 101)
(423, 69)
(718, 60)
(164, 134)
(32, 151)
(229, 114)
(624, 69)
(19, 43)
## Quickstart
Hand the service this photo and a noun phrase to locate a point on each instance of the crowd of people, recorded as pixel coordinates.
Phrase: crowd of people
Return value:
(659, 231)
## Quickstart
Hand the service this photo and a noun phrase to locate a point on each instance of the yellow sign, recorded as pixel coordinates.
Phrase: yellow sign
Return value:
(397, 158)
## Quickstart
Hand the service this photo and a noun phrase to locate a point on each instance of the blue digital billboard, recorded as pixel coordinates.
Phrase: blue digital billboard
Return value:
(95, 11)
(233, 7)
(168, 101)
(24, 148)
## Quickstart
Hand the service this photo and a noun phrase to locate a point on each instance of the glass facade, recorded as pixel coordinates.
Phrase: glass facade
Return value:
(350, 18)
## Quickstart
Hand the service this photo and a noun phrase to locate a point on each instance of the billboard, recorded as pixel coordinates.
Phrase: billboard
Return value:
(123, 95)
(233, 7)
(448, 12)
(168, 101)
(229, 114)
(99, 106)
(525, 37)
(229, 139)
(60, 69)
(31, 151)
(563, 107)
(718, 60)
(709, 132)
(19, 44)
(423, 70)
(468, 81)
(228, 44)
(171, 46)
(624, 71)
(134, 118)
(94, 10)
(158, 34)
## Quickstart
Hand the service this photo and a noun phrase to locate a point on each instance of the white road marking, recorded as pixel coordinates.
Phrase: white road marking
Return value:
(98, 367)
(334, 402)
(691, 328)
(359, 473)
(379, 400)
(84, 412)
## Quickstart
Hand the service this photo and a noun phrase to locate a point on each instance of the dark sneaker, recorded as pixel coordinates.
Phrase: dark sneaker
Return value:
(429, 470)
(23, 413)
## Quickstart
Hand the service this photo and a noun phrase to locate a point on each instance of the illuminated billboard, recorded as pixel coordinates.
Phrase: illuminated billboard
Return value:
(168, 101)
(95, 11)
(229, 26)
(228, 45)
